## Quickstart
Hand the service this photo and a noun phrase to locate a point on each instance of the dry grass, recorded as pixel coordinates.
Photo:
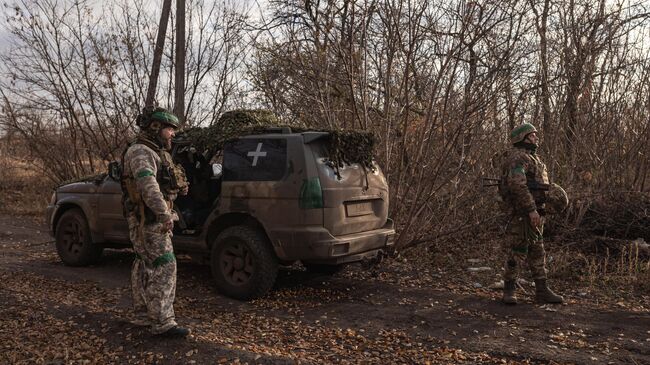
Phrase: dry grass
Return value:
(614, 274)
(24, 191)
(611, 276)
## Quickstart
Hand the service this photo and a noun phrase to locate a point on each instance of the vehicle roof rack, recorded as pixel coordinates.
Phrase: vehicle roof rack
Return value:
(309, 137)
(280, 130)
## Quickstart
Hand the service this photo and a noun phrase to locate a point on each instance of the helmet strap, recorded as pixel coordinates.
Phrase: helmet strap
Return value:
(149, 140)
(155, 125)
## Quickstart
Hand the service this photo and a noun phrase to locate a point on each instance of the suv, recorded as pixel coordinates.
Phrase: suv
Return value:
(279, 199)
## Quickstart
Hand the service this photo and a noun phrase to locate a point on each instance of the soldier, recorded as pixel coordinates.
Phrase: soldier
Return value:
(524, 179)
(150, 183)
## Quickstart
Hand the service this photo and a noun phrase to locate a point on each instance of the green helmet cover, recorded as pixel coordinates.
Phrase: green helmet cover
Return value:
(519, 134)
(160, 115)
(165, 117)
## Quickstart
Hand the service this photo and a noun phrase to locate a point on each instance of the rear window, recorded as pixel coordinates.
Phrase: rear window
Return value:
(320, 149)
(257, 159)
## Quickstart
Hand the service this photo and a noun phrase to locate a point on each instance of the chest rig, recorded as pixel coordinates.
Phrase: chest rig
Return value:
(170, 178)
(536, 179)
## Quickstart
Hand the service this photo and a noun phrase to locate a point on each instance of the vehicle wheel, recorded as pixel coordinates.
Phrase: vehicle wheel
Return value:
(243, 263)
(73, 241)
(323, 269)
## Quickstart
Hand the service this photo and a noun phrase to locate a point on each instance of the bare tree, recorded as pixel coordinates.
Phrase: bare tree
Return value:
(74, 78)
(442, 83)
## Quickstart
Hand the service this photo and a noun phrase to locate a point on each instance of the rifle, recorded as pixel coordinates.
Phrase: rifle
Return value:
(532, 184)
(490, 181)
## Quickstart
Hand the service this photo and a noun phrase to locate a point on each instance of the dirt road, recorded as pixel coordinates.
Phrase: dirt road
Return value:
(57, 314)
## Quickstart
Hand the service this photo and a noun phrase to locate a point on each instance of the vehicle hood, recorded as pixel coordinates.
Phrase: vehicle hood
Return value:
(78, 187)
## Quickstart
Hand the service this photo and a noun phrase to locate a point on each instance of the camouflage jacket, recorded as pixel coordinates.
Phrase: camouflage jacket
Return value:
(522, 171)
(143, 165)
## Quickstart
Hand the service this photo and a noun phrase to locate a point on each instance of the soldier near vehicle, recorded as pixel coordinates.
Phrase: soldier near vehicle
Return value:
(150, 183)
(528, 196)
(282, 196)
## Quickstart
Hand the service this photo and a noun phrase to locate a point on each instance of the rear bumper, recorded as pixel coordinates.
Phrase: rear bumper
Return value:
(317, 245)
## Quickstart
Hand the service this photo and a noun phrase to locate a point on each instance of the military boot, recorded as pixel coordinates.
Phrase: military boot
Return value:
(545, 295)
(509, 296)
(175, 332)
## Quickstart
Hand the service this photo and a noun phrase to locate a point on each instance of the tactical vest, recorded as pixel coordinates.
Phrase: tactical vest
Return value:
(538, 184)
(536, 180)
(170, 178)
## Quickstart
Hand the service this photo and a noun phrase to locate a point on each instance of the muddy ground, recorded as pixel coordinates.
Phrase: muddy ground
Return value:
(55, 314)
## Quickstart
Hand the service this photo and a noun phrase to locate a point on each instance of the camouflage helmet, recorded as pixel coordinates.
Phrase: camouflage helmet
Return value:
(160, 115)
(556, 199)
(519, 134)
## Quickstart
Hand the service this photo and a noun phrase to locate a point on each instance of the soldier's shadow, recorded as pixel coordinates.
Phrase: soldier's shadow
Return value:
(117, 257)
(295, 277)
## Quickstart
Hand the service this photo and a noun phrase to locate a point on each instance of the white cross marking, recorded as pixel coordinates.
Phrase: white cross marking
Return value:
(257, 153)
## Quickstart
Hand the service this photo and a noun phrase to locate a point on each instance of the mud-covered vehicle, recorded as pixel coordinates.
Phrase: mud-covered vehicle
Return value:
(276, 198)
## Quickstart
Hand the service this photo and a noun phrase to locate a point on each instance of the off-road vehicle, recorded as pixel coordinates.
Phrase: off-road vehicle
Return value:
(278, 199)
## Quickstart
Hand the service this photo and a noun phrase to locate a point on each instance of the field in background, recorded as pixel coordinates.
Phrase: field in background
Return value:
(24, 191)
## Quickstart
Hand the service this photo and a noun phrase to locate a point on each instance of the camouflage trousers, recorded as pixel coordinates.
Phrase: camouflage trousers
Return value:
(524, 243)
(153, 275)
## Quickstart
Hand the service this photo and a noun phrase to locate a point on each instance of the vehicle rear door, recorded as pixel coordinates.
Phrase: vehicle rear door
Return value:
(355, 198)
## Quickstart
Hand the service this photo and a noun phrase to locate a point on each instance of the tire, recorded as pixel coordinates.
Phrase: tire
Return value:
(73, 241)
(322, 269)
(243, 263)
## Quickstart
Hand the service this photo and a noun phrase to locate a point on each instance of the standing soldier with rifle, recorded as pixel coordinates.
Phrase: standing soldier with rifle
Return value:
(150, 183)
(524, 187)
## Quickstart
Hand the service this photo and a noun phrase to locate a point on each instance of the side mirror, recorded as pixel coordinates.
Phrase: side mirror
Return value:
(114, 170)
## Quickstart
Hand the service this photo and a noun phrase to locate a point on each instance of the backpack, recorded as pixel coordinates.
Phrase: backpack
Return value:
(498, 165)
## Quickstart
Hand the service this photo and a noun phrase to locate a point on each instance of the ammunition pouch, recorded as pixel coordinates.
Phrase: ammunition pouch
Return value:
(534, 185)
(538, 190)
(134, 203)
(172, 176)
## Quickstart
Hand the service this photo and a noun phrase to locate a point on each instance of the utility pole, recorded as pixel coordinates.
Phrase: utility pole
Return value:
(179, 59)
(157, 53)
(179, 84)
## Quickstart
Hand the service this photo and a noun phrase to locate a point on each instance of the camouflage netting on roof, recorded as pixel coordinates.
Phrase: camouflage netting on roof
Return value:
(232, 124)
(352, 147)
(345, 146)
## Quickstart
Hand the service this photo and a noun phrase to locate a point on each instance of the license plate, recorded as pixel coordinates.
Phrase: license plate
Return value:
(356, 209)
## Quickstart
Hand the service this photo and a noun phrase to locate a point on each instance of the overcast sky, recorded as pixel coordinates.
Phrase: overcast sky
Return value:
(255, 6)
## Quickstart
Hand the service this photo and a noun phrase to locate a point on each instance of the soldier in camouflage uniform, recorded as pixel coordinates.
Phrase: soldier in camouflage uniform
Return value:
(150, 183)
(524, 179)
